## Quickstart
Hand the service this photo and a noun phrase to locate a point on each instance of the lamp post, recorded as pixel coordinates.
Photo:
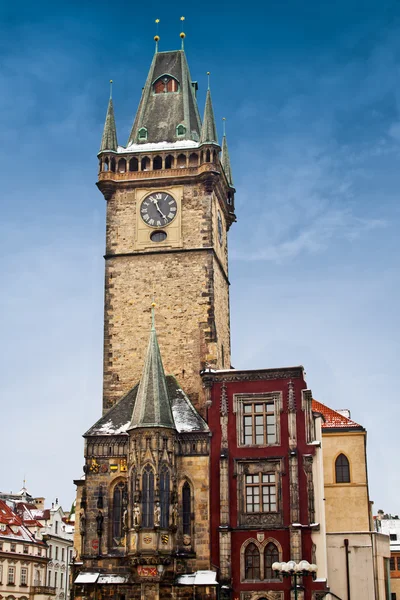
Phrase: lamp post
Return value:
(295, 570)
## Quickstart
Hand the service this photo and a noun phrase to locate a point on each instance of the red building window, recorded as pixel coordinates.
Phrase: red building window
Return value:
(260, 492)
(252, 562)
(259, 423)
(342, 469)
(271, 555)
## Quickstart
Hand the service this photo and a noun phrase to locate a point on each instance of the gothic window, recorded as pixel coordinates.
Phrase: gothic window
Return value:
(342, 469)
(186, 509)
(119, 504)
(180, 130)
(145, 163)
(181, 161)
(121, 165)
(157, 163)
(260, 491)
(193, 160)
(169, 161)
(148, 497)
(164, 496)
(252, 562)
(165, 84)
(133, 164)
(113, 165)
(271, 555)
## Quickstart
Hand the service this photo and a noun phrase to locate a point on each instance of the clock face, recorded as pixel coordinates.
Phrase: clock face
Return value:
(158, 209)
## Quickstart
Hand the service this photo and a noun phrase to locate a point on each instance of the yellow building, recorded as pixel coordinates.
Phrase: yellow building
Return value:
(357, 555)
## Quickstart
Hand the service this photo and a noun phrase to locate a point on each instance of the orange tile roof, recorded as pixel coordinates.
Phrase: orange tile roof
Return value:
(333, 419)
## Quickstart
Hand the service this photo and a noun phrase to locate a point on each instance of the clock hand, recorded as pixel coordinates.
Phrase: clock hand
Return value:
(158, 208)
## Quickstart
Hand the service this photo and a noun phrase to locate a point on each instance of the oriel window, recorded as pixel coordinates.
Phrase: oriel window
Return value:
(164, 496)
(148, 497)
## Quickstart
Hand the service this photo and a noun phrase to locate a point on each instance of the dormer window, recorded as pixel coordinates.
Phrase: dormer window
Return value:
(165, 84)
(180, 130)
(142, 134)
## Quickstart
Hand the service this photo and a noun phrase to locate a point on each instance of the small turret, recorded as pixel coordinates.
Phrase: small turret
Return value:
(109, 138)
(225, 161)
(208, 129)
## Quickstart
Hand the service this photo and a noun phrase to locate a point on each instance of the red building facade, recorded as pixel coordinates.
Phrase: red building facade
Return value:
(262, 496)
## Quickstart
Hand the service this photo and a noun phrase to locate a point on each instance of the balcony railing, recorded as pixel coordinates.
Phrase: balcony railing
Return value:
(44, 589)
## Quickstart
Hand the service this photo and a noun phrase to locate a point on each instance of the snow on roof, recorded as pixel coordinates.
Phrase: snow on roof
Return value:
(109, 428)
(159, 146)
(13, 526)
(186, 417)
(334, 419)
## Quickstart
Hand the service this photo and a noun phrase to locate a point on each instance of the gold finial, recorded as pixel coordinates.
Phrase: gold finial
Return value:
(182, 35)
(111, 82)
(153, 316)
(153, 305)
(157, 37)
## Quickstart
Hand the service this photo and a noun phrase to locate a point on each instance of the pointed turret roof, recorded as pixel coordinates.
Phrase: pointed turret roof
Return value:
(152, 406)
(109, 139)
(161, 113)
(225, 161)
(208, 129)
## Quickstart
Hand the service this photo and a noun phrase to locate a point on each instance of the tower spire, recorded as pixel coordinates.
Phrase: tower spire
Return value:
(152, 407)
(109, 138)
(225, 160)
(208, 129)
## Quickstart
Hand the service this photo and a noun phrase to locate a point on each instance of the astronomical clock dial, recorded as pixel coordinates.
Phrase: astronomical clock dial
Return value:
(158, 209)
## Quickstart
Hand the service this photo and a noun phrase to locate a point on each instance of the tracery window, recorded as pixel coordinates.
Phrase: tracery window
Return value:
(252, 562)
(148, 497)
(165, 84)
(271, 555)
(342, 469)
(119, 505)
(164, 496)
(186, 509)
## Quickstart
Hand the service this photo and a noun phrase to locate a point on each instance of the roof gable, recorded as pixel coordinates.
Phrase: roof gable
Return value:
(333, 419)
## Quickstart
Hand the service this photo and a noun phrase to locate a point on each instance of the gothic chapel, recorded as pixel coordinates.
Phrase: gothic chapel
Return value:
(143, 502)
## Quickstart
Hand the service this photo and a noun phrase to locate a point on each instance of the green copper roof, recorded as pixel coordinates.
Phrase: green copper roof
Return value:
(152, 407)
(109, 139)
(161, 113)
(208, 129)
(225, 161)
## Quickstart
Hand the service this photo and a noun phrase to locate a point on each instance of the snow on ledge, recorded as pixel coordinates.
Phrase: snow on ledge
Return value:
(159, 146)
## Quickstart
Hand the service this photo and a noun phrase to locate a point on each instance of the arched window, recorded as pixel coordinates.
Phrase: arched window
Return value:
(181, 161)
(157, 163)
(165, 84)
(164, 496)
(133, 164)
(186, 508)
(271, 555)
(113, 165)
(342, 469)
(119, 505)
(145, 163)
(193, 160)
(169, 161)
(105, 164)
(251, 562)
(180, 130)
(148, 497)
(121, 165)
(208, 156)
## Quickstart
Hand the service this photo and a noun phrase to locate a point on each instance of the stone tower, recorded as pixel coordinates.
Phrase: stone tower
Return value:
(170, 203)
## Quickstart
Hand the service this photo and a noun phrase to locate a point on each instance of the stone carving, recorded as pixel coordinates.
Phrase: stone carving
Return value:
(174, 514)
(125, 519)
(186, 540)
(136, 515)
(291, 397)
(224, 401)
(261, 519)
(157, 514)
(307, 465)
(82, 522)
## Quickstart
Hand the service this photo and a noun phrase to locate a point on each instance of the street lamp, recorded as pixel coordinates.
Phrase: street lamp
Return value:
(295, 570)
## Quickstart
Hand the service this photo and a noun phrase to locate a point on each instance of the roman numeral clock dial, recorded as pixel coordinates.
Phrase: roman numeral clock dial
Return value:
(158, 210)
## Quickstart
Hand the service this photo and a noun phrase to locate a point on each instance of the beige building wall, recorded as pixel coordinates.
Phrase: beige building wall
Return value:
(346, 504)
(319, 537)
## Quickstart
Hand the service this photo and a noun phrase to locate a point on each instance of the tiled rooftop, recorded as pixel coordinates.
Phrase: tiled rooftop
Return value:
(334, 419)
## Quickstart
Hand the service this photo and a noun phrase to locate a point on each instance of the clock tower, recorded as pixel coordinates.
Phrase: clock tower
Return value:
(170, 203)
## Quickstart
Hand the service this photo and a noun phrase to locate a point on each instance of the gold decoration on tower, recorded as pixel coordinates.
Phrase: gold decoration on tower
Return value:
(182, 35)
(157, 37)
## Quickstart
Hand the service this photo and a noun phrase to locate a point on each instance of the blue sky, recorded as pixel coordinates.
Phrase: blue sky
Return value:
(311, 94)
